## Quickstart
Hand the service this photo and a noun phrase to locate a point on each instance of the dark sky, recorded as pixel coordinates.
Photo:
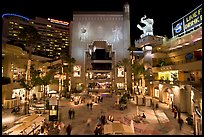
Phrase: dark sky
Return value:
(164, 12)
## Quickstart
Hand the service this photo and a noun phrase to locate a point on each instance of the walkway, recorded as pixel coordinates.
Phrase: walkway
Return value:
(158, 122)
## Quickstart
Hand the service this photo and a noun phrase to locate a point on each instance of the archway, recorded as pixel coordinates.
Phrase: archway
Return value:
(168, 97)
(99, 66)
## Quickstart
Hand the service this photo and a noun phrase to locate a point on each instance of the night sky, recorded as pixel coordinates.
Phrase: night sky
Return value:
(164, 12)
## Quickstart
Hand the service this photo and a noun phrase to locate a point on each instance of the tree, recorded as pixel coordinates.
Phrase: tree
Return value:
(138, 70)
(67, 65)
(124, 63)
(29, 85)
(132, 48)
(45, 79)
(37, 77)
(30, 36)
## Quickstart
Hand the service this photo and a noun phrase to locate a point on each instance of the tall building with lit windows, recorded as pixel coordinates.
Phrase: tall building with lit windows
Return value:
(54, 33)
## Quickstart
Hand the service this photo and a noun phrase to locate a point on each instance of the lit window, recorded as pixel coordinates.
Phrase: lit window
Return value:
(49, 26)
(16, 23)
(11, 22)
(14, 34)
(20, 27)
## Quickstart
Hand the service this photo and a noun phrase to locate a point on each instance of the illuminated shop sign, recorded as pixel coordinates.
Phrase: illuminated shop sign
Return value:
(188, 22)
(58, 21)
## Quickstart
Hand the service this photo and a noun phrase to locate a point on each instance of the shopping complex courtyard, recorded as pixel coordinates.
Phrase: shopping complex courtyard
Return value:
(159, 121)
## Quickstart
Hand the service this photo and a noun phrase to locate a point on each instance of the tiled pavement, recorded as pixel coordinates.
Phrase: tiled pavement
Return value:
(158, 122)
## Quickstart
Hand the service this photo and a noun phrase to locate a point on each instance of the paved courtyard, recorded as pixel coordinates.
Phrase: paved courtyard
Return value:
(159, 121)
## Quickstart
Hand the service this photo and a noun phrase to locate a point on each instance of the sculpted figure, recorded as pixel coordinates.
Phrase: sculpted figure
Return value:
(83, 31)
(117, 34)
(148, 29)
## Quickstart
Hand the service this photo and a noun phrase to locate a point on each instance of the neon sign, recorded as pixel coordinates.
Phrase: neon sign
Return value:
(58, 21)
(9, 14)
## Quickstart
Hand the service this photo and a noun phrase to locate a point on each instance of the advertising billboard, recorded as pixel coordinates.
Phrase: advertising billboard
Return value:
(188, 22)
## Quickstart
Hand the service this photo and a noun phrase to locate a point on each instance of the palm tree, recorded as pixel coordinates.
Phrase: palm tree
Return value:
(67, 64)
(29, 85)
(138, 70)
(45, 79)
(132, 48)
(38, 78)
(124, 63)
(31, 36)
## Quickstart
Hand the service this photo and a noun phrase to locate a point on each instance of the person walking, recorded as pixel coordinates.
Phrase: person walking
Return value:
(69, 129)
(70, 113)
(88, 122)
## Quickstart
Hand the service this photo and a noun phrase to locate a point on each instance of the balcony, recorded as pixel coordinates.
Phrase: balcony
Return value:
(180, 65)
(152, 40)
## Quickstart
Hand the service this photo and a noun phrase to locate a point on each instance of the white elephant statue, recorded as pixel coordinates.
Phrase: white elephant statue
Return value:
(148, 29)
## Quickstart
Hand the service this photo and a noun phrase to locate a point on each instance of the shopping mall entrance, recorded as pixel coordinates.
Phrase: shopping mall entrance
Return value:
(99, 67)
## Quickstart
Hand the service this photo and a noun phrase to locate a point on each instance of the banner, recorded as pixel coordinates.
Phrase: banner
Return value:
(188, 22)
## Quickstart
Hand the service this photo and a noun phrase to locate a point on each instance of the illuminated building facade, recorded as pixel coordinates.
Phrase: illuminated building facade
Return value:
(99, 41)
(54, 33)
(176, 66)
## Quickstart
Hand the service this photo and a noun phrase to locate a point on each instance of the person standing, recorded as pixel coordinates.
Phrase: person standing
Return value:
(73, 113)
(180, 123)
(91, 105)
(69, 129)
(179, 114)
(175, 113)
(87, 105)
(70, 113)
(96, 131)
(103, 119)
(101, 99)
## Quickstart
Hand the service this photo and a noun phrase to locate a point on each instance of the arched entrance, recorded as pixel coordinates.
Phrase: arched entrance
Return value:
(99, 66)
(168, 97)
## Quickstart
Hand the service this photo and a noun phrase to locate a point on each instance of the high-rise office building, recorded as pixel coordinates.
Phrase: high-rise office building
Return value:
(54, 33)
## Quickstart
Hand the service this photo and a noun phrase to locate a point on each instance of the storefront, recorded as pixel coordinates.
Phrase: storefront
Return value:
(197, 122)
(19, 93)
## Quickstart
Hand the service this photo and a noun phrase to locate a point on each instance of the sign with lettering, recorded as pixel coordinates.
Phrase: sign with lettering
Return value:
(188, 22)
(58, 21)
(193, 19)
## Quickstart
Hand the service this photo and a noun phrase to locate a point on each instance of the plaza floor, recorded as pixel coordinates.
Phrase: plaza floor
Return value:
(158, 121)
